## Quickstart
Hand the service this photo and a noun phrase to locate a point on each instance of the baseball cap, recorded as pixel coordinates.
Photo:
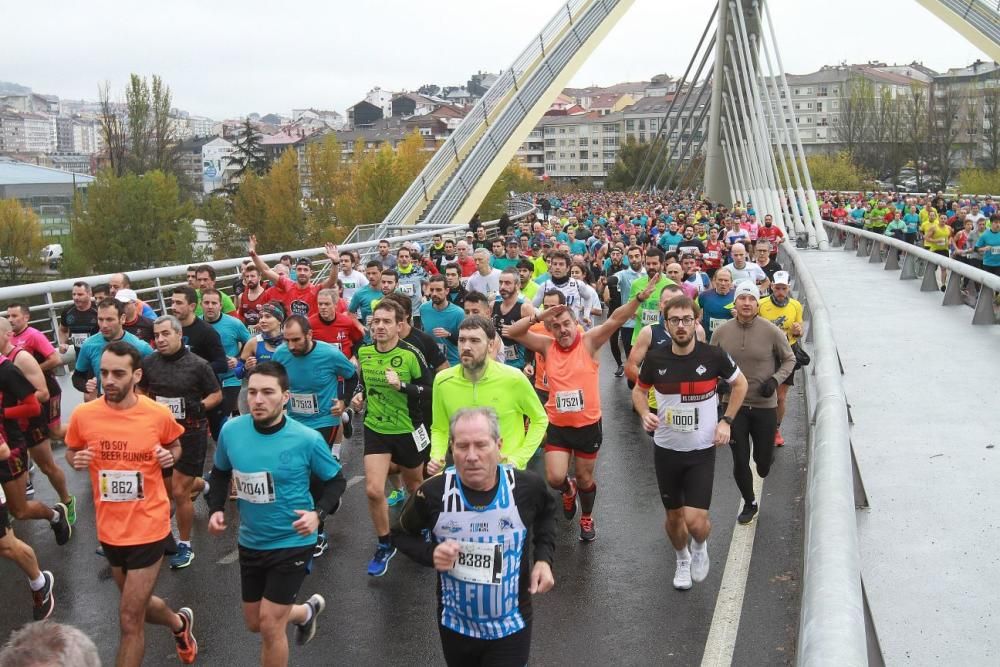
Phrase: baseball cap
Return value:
(126, 295)
(780, 278)
(513, 241)
(746, 287)
(303, 261)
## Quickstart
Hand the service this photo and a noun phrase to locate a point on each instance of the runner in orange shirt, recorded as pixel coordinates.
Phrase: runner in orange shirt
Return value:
(125, 441)
(574, 405)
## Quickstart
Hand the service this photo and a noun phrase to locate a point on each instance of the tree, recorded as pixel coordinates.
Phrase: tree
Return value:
(113, 130)
(21, 240)
(287, 226)
(327, 183)
(228, 239)
(376, 184)
(132, 222)
(623, 175)
(515, 177)
(248, 153)
(855, 112)
(138, 119)
(140, 136)
(163, 138)
(918, 129)
(835, 172)
(943, 133)
(979, 181)
(991, 127)
(429, 89)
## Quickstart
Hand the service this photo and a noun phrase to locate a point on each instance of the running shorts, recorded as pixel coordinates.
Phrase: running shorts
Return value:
(274, 574)
(135, 556)
(16, 464)
(684, 478)
(194, 445)
(401, 446)
(584, 441)
(460, 650)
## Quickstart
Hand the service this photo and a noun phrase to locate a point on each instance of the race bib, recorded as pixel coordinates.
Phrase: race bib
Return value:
(421, 439)
(510, 353)
(348, 286)
(120, 486)
(303, 404)
(3, 498)
(712, 254)
(650, 317)
(682, 418)
(337, 345)
(569, 401)
(995, 249)
(443, 349)
(672, 248)
(176, 405)
(368, 321)
(715, 322)
(407, 289)
(78, 338)
(254, 487)
(479, 563)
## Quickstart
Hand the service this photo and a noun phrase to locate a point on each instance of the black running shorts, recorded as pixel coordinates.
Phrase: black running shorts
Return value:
(274, 574)
(401, 446)
(684, 478)
(135, 556)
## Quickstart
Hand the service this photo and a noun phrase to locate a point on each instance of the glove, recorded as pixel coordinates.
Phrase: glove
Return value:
(768, 388)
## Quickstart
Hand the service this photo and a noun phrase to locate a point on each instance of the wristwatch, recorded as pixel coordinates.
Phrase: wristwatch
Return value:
(727, 419)
(321, 513)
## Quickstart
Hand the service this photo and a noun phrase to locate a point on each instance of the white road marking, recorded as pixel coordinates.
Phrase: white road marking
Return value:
(721, 640)
(234, 555)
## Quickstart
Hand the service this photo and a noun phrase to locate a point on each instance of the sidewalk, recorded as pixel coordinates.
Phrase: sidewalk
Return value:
(922, 387)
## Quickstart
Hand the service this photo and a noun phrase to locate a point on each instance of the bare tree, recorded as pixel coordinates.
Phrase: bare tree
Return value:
(112, 129)
(991, 127)
(917, 129)
(855, 110)
(943, 132)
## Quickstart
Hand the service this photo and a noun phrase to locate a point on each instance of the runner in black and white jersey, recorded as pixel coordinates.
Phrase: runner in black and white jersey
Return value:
(578, 293)
(686, 428)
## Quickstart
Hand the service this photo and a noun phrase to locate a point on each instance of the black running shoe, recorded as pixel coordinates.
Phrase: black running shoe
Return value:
(306, 631)
(748, 513)
(61, 528)
(43, 601)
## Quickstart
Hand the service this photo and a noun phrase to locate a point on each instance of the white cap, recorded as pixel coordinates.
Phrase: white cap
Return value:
(126, 295)
(747, 287)
(780, 278)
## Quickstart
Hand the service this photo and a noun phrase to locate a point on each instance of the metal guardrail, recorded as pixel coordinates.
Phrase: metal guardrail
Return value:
(870, 244)
(54, 294)
(832, 621)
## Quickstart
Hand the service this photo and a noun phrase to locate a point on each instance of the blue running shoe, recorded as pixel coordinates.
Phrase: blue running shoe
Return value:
(397, 497)
(379, 564)
(182, 558)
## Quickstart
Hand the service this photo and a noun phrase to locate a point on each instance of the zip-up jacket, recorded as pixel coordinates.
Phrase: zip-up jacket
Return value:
(761, 350)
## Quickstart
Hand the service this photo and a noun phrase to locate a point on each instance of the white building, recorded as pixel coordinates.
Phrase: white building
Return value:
(216, 171)
(200, 126)
(581, 146)
(40, 135)
(381, 98)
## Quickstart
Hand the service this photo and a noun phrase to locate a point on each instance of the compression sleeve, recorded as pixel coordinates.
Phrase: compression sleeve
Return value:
(79, 380)
(544, 526)
(333, 489)
(218, 490)
(26, 408)
(439, 423)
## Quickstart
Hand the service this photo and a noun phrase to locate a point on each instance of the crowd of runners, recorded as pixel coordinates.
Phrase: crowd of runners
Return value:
(464, 364)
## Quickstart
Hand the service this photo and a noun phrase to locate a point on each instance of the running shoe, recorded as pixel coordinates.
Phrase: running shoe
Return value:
(322, 544)
(587, 531)
(43, 601)
(100, 550)
(748, 513)
(569, 500)
(699, 563)
(182, 558)
(620, 371)
(306, 631)
(682, 575)
(29, 488)
(778, 440)
(397, 497)
(187, 645)
(61, 528)
(347, 419)
(71, 510)
(379, 564)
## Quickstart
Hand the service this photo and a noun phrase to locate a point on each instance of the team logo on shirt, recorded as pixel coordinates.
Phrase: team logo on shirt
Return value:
(396, 362)
(479, 527)
(701, 370)
(505, 524)
(451, 527)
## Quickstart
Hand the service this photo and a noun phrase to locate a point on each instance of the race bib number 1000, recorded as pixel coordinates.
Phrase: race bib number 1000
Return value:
(682, 418)
(479, 563)
(120, 486)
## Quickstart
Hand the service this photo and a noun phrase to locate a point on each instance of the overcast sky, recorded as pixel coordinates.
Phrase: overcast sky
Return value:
(225, 59)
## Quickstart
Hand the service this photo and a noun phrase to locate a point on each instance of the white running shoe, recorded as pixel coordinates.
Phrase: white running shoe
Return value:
(699, 563)
(682, 576)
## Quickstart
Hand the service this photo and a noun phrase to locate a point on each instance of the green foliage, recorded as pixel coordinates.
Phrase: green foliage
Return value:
(228, 239)
(979, 181)
(836, 172)
(248, 153)
(21, 240)
(626, 170)
(132, 222)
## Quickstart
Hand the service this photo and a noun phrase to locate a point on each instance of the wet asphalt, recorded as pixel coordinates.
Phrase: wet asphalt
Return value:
(613, 603)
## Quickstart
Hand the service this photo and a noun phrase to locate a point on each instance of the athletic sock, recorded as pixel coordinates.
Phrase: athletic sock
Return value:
(683, 554)
(587, 498)
(184, 625)
(336, 448)
(206, 487)
(385, 540)
(309, 614)
(184, 543)
(700, 547)
(565, 486)
(37, 584)
(55, 517)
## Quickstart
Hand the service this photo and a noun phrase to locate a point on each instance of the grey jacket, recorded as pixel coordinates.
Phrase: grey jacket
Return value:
(761, 350)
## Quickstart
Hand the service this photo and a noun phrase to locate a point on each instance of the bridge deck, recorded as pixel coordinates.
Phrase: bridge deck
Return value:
(926, 435)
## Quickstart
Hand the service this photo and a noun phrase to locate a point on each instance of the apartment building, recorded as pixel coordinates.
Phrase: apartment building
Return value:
(583, 146)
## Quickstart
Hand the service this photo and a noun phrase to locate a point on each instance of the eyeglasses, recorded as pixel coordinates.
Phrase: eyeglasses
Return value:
(674, 321)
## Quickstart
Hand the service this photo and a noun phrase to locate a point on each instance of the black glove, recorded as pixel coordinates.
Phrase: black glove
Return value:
(768, 388)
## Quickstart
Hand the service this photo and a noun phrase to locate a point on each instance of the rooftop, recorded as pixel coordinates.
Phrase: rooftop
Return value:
(22, 173)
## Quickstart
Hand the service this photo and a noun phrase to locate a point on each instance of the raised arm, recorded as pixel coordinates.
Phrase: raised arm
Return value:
(261, 265)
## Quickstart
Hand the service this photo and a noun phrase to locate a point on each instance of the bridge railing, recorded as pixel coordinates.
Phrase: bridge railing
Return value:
(879, 248)
(832, 619)
(47, 300)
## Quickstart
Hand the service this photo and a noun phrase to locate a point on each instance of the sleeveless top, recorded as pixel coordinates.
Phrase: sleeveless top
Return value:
(479, 596)
(514, 353)
(574, 394)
